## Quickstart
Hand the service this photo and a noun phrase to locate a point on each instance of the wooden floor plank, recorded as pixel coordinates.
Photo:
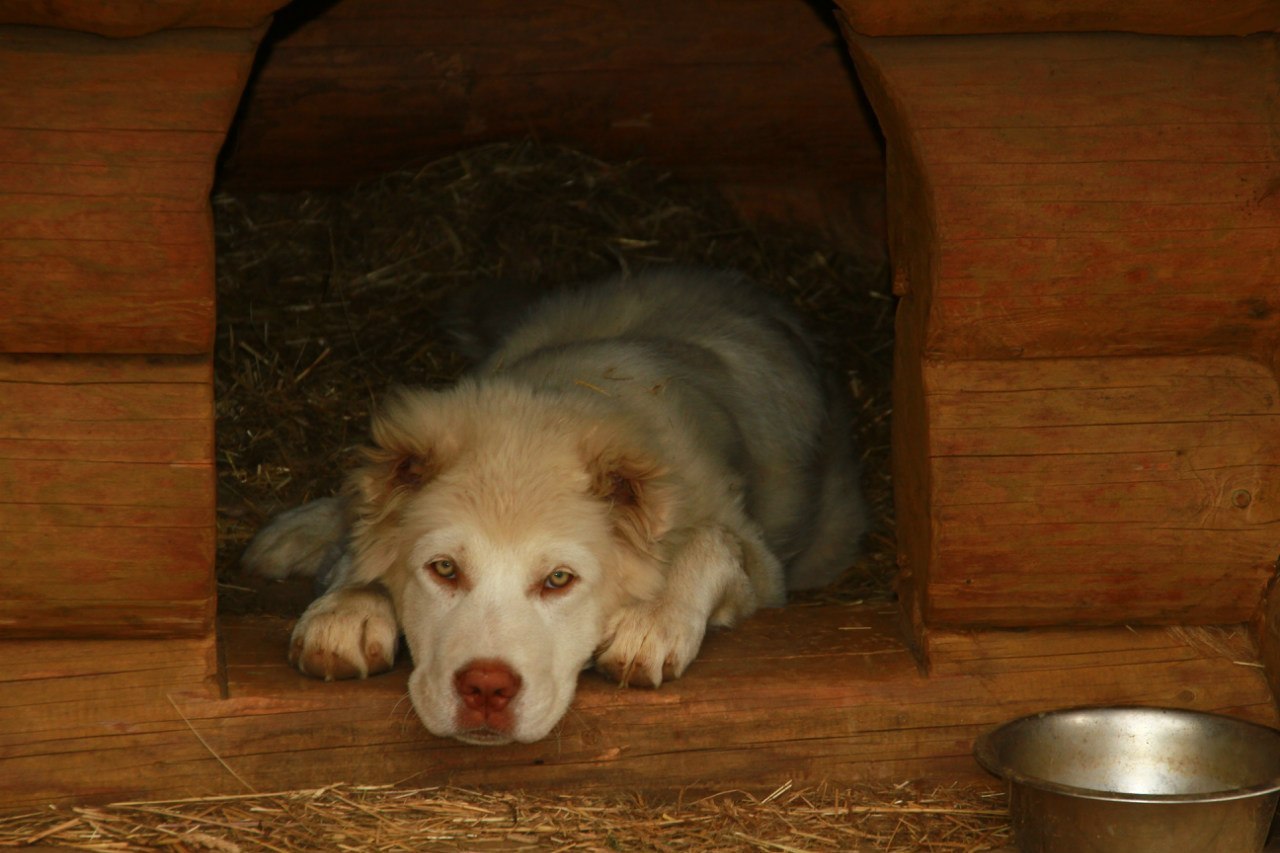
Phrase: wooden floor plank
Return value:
(802, 694)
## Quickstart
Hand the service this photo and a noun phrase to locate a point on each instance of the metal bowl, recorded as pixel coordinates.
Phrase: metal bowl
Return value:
(1136, 780)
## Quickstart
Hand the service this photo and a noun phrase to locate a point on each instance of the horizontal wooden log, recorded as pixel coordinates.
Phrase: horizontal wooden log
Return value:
(1062, 207)
(106, 496)
(966, 17)
(801, 694)
(1089, 195)
(734, 91)
(105, 236)
(1102, 490)
(137, 17)
(81, 699)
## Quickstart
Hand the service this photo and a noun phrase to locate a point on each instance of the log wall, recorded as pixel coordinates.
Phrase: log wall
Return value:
(1084, 231)
(107, 310)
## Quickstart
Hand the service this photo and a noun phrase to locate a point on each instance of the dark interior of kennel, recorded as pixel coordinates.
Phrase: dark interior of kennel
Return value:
(1082, 229)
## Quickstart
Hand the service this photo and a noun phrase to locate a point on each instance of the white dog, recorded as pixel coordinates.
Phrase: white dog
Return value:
(635, 462)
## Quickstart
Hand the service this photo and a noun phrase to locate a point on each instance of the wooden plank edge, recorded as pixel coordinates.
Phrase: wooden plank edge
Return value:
(1153, 17)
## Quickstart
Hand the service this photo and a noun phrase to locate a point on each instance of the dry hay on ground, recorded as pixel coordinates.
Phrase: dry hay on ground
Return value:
(344, 817)
(325, 299)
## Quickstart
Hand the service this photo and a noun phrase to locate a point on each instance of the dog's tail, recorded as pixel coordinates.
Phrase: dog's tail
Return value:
(308, 541)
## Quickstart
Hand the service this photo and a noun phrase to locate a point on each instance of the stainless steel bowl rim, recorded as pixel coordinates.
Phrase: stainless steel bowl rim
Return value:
(985, 751)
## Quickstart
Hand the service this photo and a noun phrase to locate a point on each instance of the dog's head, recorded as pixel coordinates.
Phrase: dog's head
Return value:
(508, 525)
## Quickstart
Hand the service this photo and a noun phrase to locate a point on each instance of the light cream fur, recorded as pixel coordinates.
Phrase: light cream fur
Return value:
(666, 442)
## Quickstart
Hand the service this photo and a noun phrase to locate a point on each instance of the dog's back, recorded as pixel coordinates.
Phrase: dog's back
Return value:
(729, 367)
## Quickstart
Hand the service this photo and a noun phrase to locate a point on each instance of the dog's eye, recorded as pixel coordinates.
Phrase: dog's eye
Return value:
(559, 579)
(446, 570)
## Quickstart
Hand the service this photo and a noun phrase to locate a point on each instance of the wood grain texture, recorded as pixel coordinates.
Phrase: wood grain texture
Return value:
(734, 91)
(106, 243)
(801, 694)
(1090, 195)
(136, 17)
(964, 17)
(1084, 233)
(98, 711)
(106, 496)
(1113, 490)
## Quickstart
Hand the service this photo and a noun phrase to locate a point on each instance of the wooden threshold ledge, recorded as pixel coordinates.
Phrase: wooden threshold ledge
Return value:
(806, 693)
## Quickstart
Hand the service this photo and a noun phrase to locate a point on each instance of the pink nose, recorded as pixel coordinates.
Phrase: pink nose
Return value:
(486, 686)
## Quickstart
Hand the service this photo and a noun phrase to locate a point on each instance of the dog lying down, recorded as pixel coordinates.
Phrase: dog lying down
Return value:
(634, 462)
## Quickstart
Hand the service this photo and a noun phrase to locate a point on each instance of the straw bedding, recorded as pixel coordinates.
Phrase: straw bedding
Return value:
(345, 817)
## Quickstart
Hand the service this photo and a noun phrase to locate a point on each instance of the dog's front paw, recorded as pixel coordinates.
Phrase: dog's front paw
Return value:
(649, 644)
(346, 633)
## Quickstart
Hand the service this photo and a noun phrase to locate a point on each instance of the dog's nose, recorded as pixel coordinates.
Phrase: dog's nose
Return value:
(486, 685)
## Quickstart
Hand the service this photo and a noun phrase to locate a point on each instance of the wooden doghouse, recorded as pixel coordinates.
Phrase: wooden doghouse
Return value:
(1084, 221)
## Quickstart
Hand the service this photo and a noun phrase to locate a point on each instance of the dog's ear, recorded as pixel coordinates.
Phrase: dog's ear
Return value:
(409, 450)
(388, 473)
(638, 491)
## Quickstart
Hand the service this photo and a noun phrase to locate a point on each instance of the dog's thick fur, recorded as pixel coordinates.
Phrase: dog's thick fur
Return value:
(634, 462)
